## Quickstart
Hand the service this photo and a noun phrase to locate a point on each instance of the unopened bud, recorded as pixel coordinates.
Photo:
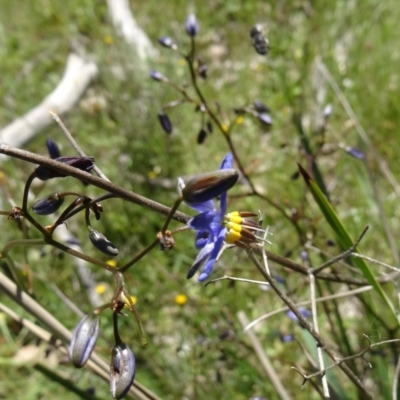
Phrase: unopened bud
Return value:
(158, 76)
(52, 148)
(260, 107)
(210, 185)
(165, 122)
(191, 25)
(167, 42)
(265, 118)
(48, 205)
(83, 163)
(201, 136)
(84, 339)
(355, 153)
(122, 370)
(102, 243)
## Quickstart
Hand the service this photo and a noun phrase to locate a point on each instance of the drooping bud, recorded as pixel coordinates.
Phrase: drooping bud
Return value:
(52, 148)
(260, 107)
(48, 205)
(355, 153)
(167, 42)
(201, 136)
(304, 313)
(209, 126)
(122, 370)
(165, 122)
(102, 243)
(265, 118)
(84, 339)
(191, 25)
(158, 76)
(83, 163)
(210, 185)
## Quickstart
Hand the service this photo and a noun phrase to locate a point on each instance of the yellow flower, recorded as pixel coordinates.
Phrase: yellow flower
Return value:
(100, 288)
(108, 39)
(112, 263)
(180, 299)
(239, 120)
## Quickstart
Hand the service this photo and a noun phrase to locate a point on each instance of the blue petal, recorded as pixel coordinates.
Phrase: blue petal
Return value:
(202, 238)
(202, 207)
(201, 258)
(208, 221)
(205, 273)
(227, 162)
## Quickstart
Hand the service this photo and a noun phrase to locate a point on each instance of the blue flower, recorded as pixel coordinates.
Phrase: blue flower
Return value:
(211, 230)
(214, 226)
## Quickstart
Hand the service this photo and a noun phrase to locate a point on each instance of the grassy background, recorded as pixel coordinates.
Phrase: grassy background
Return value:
(198, 350)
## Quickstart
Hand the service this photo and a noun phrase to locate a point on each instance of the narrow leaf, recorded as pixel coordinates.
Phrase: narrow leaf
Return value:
(343, 237)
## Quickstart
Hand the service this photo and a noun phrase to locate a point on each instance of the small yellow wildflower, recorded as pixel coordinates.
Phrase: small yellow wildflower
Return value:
(180, 299)
(108, 39)
(239, 120)
(101, 288)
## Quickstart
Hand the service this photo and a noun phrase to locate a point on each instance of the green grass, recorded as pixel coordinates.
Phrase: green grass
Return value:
(198, 351)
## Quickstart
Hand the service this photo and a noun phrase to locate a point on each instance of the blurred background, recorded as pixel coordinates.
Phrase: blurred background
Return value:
(319, 54)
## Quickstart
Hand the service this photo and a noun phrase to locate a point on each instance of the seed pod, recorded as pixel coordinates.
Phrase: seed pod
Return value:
(52, 148)
(165, 122)
(122, 370)
(102, 243)
(191, 26)
(48, 205)
(201, 136)
(83, 163)
(84, 339)
(258, 40)
(210, 185)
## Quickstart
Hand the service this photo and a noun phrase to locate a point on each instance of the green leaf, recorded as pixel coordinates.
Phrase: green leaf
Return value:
(344, 238)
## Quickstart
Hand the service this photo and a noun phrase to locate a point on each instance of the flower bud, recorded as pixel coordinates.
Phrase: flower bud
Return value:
(355, 153)
(158, 76)
(83, 163)
(191, 25)
(165, 122)
(52, 148)
(102, 243)
(48, 205)
(265, 118)
(84, 339)
(122, 370)
(258, 40)
(201, 136)
(167, 42)
(260, 107)
(304, 313)
(210, 185)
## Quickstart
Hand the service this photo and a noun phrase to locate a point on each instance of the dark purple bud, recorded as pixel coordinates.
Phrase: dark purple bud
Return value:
(83, 163)
(209, 186)
(52, 148)
(330, 243)
(305, 313)
(209, 127)
(265, 118)
(295, 175)
(48, 205)
(122, 370)
(158, 76)
(260, 107)
(287, 338)
(165, 122)
(201, 136)
(167, 42)
(191, 26)
(258, 40)
(102, 243)
(355, 153)
(84, 339)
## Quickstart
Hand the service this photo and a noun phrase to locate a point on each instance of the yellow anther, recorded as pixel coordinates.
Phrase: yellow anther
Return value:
(232, 236)
(233, 226)
(234, 217)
